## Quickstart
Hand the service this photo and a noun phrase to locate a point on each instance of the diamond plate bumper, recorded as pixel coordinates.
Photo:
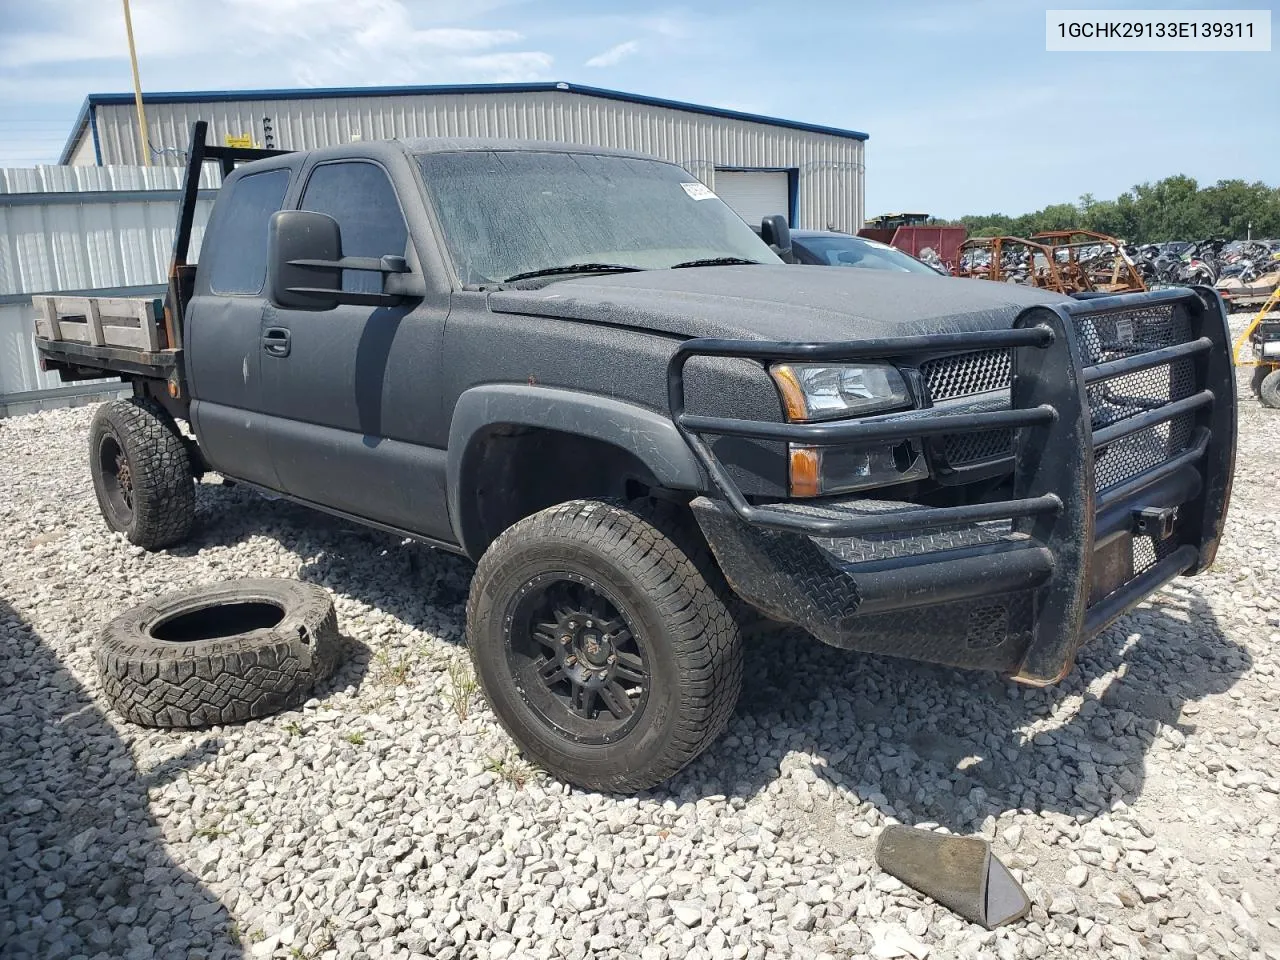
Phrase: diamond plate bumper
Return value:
(1017, 584)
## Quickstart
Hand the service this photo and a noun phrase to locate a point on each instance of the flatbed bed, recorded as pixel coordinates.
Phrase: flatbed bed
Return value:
(137, 339)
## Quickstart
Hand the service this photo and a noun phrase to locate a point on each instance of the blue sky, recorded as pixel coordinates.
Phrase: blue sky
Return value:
(967, 112)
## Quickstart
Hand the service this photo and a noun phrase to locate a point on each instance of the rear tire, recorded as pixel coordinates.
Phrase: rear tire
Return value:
(142, 473)
(651, 669)
(1269, 389)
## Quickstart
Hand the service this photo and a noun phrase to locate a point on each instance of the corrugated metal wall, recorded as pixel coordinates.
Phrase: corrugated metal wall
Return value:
(106, 230)
(831, 167)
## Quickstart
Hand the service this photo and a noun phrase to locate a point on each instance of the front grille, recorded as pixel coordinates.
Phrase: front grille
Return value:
(968, 374)
(1100, 338)
(969, 448)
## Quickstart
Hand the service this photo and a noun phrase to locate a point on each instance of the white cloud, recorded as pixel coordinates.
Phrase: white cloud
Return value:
(188, 44)
(509, 67)
(614, 55)
(673, 28)
(55, 52)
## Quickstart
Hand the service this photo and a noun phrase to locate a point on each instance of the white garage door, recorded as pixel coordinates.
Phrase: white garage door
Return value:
(754, 193)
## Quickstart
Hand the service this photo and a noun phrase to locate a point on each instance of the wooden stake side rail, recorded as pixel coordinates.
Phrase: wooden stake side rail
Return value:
(135, 322)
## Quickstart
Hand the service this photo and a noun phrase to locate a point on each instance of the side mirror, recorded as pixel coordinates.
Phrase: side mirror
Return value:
(775, 232)
(303, 250)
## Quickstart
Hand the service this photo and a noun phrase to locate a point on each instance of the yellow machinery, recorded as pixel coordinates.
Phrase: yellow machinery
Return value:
(1263, 335)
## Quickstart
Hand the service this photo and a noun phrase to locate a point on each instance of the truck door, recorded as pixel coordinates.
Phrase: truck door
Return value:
(352, 394)
(223, 328)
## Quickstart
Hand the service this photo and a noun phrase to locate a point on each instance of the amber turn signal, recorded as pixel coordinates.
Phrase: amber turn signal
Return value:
(805, 464)
(793, 401)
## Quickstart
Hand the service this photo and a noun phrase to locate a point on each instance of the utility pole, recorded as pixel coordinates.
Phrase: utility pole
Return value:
(143, 138)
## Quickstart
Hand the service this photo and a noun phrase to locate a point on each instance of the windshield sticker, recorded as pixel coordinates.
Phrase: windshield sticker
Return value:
(699, 191)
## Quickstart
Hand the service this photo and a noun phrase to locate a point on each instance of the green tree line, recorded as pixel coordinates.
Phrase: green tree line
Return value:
(1175, 208)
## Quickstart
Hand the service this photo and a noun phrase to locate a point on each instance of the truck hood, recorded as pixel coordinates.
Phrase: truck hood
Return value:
(779, 302)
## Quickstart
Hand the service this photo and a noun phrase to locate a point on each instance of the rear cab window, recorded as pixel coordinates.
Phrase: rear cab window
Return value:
(239, 253)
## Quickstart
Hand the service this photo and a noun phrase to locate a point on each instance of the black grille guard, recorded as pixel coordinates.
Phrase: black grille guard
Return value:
(1060, 524)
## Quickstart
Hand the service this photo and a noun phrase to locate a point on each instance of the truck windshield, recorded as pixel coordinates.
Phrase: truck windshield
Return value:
(506, 213)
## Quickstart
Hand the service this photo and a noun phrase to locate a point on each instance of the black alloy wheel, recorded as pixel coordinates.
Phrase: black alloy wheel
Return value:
(117, 481)
(577, 661)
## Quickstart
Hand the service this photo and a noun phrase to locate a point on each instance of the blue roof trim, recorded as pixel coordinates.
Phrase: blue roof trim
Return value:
(77, 130)
(97, 142)
(319, 93)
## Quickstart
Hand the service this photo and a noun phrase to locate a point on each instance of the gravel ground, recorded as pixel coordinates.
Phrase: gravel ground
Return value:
(390, 816)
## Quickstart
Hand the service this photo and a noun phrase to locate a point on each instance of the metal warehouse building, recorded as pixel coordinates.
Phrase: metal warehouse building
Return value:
(759, 165)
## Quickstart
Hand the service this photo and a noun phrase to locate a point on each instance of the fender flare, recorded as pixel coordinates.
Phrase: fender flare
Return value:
(651, 437)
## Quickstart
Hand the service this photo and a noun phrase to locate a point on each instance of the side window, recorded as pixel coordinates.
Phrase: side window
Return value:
(240, 255)
(360, 197)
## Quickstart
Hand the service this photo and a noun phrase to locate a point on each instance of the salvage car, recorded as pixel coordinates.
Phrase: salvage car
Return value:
(579, 368)
(830, 249)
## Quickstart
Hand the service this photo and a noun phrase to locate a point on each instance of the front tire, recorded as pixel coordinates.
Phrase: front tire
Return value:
(601, 645)
(141, 473)
(1269, 389)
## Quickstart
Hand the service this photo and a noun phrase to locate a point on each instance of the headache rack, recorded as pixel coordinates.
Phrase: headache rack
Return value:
(85, 337)
(1122, 418)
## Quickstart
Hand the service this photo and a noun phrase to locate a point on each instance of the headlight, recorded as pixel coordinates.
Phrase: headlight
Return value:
(817, 391)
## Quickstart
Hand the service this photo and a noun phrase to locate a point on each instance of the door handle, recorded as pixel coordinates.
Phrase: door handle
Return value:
(276, 342)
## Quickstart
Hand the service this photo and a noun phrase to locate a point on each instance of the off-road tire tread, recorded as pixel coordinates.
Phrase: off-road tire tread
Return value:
(228, 680)
(677, 523)
(640, 535)
(164, 498)
(1269, 389)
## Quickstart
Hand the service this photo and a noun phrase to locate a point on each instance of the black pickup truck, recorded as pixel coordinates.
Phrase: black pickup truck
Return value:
(580, 369)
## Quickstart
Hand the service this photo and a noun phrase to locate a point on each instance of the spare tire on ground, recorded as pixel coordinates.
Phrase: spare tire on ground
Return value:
(219, 654)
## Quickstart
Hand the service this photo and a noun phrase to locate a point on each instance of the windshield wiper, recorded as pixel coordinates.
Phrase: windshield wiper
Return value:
(714, 262)
(574, 268)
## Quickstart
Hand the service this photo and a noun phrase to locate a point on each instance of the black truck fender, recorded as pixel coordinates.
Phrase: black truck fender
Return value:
(649, 436)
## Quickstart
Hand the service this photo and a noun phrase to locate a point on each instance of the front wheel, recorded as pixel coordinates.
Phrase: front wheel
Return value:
(601, 645)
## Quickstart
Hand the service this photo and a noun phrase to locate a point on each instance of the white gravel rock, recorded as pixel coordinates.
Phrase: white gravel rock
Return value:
(389, 815)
